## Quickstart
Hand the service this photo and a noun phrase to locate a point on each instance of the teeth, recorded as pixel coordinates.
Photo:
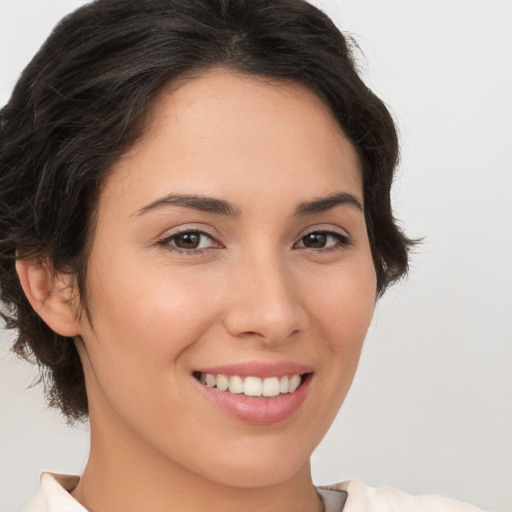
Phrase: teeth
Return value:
(222, 382)
(252, 386)
(236, 385)
(271, 386)
(294, 383)
(284, 385)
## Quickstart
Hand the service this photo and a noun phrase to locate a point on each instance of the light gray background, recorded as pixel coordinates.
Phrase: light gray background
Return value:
(431, 407)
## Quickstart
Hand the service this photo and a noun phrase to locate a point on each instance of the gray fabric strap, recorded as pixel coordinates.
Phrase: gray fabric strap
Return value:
(334, 501)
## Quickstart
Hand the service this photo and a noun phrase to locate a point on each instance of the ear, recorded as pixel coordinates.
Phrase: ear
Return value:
(52, 295)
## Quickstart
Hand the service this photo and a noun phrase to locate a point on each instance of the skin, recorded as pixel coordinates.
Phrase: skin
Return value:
(257, 291)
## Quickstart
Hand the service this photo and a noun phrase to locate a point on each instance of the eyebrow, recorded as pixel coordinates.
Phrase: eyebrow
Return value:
(201, 203)
(327, 203)
(221, 207)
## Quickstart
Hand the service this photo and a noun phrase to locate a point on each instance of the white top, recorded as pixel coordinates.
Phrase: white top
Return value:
(351, 496)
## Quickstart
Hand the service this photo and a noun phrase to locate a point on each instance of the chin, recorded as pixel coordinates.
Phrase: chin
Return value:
(261, 468)
(257, 477)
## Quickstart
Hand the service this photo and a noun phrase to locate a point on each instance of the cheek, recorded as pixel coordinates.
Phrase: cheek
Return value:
(342, 306)
(151, 308)
(142, 323)
(344, 314)
(140, 331)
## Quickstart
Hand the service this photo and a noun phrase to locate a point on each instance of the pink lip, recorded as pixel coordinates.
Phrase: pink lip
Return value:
(259, 369)
(258, 410)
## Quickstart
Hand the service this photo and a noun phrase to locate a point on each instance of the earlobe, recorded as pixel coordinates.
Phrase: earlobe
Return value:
(51, 295)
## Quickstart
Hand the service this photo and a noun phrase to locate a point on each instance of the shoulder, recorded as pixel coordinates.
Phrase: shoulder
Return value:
(361, 497)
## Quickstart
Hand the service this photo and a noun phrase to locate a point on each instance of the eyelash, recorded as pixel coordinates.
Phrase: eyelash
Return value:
(167, 242)
(343, 241)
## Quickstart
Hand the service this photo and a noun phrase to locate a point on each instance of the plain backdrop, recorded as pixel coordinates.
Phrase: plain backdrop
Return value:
(430, 410)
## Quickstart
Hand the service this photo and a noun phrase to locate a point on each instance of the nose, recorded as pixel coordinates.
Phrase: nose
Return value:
(264, 301)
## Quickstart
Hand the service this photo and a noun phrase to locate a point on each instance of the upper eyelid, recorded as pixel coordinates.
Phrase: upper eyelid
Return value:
(169, 233)
(185, 231)
(325, 229)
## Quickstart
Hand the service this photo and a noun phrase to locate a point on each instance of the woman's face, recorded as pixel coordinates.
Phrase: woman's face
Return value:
(231, 247)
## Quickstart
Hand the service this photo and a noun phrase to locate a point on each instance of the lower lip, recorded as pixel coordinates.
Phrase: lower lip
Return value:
(258, 410)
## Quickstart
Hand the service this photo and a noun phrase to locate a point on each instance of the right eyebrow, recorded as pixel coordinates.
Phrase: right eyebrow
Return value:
(195, 202)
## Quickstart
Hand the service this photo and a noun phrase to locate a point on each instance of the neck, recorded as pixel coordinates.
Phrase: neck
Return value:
(125, 474)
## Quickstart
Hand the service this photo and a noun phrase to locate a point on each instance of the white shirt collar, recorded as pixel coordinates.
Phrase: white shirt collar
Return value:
(54, 496)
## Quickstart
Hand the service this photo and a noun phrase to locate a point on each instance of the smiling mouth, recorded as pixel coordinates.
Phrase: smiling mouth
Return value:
(253, 387)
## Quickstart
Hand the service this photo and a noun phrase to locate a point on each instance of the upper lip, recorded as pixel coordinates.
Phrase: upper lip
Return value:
(259, 369)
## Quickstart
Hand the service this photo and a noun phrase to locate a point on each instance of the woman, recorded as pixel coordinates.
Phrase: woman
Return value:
(196, 225)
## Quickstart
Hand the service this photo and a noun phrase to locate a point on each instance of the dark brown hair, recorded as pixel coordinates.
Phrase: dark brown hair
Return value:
(81, 103)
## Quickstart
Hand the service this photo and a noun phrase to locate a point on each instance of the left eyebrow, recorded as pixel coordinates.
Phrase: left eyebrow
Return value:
(323, 204)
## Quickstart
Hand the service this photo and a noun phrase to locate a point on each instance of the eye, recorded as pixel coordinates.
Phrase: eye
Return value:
(189, 241)
(323, 240)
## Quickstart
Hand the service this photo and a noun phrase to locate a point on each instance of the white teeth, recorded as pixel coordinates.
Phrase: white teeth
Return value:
(294, 383)
(222, 383)
(271, 386)
(252, 386)
(284, 386)
(236, 385)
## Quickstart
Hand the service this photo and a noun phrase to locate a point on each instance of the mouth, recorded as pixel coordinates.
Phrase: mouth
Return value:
(252, 386)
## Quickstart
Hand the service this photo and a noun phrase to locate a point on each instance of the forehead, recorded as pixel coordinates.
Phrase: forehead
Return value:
(222, 129)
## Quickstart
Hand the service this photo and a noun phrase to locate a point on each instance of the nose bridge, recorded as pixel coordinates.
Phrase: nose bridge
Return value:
(264, 297)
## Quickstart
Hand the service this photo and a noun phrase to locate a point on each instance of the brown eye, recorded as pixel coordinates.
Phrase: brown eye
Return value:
(323, 240)
(189, 241)
(315, 240)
